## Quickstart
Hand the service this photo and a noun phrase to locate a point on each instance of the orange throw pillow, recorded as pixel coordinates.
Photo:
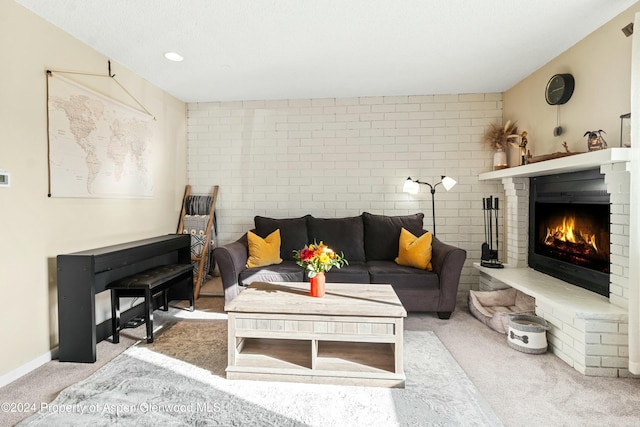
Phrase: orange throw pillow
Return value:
(415, 251)
(263, 252)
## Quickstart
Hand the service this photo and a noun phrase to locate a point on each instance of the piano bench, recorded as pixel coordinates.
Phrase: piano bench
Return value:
(147, 284)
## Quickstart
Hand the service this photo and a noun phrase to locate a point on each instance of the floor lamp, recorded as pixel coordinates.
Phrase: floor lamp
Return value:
(413, 187)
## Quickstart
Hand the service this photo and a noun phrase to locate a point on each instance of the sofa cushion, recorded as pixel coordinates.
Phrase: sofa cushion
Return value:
(293, 233)
(401, 276)
(355, 272)
(415, 251)
(287, 271)
(344, 235)
(382, 233)
(265, 251)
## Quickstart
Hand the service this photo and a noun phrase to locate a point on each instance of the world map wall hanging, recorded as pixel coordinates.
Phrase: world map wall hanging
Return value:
(98, 147)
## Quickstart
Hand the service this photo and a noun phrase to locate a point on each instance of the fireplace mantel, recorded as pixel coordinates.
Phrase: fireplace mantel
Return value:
(573, 163)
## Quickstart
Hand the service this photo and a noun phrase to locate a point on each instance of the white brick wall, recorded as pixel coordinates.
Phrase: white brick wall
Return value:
(618, 182)
(517, 200)
(595, 344)
(340, 157)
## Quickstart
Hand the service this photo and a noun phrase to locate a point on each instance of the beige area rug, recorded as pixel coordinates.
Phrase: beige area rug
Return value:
(180, 380)
(199, 342)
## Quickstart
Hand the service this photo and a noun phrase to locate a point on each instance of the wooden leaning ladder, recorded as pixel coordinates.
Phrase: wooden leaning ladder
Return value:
(197, 278)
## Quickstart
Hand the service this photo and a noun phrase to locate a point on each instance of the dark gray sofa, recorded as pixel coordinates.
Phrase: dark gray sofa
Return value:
(369, 242)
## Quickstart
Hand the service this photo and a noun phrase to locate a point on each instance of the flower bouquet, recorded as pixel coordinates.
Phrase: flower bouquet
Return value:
(317, 259)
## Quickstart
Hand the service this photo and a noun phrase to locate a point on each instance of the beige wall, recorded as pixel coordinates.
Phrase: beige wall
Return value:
(35, 228)
(601, 65)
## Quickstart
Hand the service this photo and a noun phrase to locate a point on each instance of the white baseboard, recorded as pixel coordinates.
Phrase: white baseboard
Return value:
(23, 370)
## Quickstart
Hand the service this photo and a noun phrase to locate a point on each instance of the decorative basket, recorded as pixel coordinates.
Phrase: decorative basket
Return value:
(527, 333)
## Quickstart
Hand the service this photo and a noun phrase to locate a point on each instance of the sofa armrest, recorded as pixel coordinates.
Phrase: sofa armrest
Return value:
(447, 261)
(231, 259)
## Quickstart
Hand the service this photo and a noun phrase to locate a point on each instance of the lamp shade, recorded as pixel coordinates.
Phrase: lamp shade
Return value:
(411, 186)
(448, 183)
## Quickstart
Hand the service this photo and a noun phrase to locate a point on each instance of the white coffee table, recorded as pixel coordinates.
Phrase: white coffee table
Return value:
(353, 335)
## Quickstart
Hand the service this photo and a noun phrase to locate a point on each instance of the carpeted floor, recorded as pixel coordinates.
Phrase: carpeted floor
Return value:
(153, 385)
(522, 389)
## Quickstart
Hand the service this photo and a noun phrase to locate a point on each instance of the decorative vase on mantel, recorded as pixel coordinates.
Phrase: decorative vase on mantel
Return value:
(317, 283)
(497, 136)
(500, 160)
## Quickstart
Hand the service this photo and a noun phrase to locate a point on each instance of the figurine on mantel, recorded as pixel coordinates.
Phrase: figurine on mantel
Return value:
(556, 155)
(595, 141)
(523, 148)
(521, 141)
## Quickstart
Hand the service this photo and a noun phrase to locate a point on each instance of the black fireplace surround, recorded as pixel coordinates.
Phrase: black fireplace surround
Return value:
(576, 203)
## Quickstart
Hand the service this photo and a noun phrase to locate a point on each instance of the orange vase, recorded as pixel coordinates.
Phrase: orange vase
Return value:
(317, 285)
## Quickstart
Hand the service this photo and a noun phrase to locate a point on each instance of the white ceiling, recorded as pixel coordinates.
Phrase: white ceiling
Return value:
(288, 49)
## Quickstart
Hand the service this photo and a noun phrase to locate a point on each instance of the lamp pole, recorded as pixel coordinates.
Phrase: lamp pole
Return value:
(411, 186)
(433, 203)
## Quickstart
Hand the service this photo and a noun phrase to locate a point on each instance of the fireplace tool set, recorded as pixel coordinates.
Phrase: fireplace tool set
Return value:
(489, 257)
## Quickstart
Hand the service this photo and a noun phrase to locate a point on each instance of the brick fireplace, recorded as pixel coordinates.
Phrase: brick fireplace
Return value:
(588, 331)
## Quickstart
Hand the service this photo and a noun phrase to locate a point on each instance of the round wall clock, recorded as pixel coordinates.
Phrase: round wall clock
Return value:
(559, 89)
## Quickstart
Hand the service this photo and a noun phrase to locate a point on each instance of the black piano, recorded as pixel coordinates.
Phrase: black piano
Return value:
(83, 275)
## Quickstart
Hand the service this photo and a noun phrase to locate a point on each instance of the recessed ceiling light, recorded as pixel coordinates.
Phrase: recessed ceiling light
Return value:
(173, 56)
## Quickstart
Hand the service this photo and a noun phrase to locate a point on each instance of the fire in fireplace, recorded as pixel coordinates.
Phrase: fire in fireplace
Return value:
(575, 233)
(569, 229)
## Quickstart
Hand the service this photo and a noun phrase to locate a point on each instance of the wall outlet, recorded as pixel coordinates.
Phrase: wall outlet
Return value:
(4, 178)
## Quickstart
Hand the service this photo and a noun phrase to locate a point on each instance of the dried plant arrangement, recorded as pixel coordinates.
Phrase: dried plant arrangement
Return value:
(496, 136)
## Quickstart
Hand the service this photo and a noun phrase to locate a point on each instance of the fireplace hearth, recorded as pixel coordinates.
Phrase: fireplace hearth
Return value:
(569, 237)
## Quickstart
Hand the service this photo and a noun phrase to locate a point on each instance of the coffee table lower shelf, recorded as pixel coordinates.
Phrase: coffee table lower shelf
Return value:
(353, 335)
(316, 361)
